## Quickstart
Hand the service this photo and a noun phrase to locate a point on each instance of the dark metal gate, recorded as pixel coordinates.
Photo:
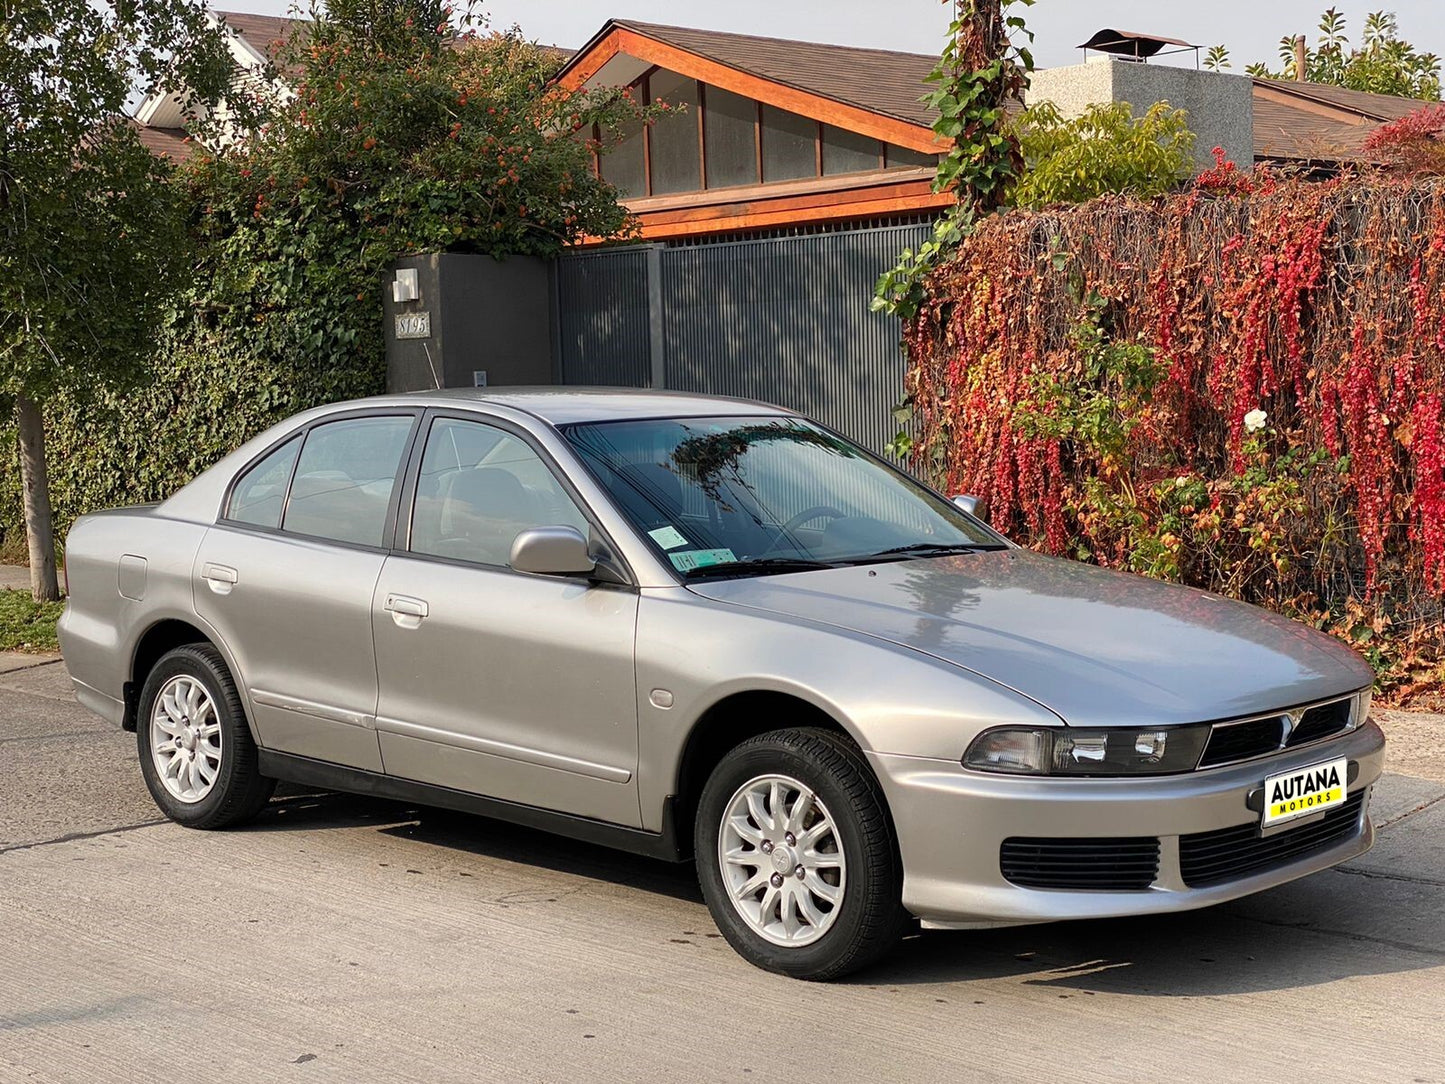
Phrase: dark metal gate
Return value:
(783, 319)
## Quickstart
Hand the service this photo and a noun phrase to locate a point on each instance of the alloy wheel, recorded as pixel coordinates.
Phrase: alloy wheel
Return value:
(782, 860)
(185, 735)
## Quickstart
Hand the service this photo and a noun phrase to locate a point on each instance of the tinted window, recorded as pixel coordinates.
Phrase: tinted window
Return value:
(790, 145)
(730, 135)
(344, 479)
(675, 163)
(479, 488)
(849, 152)
(260, 493)
(902, 156)
(622, 164)
(732, 492)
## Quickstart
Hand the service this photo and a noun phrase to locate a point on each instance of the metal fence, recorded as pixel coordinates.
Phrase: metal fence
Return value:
(782, 319)
(602, 318)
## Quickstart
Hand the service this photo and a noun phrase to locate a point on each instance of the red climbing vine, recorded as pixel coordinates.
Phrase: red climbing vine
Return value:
(1240, 386)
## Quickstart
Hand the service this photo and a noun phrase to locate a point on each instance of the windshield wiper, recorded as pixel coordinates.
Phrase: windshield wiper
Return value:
(932, 549)
(761, 566)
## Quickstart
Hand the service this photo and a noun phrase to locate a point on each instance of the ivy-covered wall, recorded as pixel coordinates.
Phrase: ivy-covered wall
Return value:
(1240, 387)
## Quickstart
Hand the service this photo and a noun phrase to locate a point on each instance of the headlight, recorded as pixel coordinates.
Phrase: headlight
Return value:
(1362, 709)
(1125, 751)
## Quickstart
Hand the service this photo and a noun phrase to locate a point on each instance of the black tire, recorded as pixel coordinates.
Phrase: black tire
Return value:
(870, 918)
(240, 790)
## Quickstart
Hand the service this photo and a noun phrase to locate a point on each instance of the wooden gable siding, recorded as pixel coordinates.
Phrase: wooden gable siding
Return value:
(621, 40)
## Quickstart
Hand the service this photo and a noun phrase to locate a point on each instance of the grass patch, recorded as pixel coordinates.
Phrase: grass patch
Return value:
(27, 625)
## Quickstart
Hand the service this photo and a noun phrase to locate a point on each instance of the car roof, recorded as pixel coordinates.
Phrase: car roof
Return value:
(570, 405)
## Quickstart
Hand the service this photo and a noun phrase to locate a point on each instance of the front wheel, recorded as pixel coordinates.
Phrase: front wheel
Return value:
(796, 855)
(196, 752)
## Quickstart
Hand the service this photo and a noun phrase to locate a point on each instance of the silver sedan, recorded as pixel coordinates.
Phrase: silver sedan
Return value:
(712, 630)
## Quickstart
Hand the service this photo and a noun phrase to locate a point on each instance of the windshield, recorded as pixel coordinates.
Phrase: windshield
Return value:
(730, 496)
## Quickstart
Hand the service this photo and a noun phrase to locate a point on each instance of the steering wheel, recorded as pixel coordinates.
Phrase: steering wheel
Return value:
(806, 515)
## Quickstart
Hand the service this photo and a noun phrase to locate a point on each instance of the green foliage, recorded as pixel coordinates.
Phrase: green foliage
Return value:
(397, 142)
(1216, 59)
(1095, 402)
(27, 625)
(1106, 149)
(979, 73)
(901, 289)
(1383, 64)
(91, 238)
(405, 134)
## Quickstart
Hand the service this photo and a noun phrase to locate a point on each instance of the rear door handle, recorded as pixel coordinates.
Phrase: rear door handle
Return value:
(220, 578)
(406, 611)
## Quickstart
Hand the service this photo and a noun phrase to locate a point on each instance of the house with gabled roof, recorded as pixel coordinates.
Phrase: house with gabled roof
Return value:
(777, 134)
(165, 118)
(771, 133)
(767, 204)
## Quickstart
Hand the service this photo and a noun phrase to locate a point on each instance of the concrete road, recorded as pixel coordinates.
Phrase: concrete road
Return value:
(342, 939)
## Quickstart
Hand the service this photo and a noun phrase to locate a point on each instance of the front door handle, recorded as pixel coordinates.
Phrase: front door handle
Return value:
(219, 578)
(406, 611)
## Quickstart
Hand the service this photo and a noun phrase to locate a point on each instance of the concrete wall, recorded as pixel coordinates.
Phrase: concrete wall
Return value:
(492, 316)
(1220, 107)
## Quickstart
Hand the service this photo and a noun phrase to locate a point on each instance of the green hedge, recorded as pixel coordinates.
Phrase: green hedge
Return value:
(200, 402)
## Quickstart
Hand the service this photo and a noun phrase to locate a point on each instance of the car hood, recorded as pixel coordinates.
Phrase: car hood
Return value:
(1098, 648)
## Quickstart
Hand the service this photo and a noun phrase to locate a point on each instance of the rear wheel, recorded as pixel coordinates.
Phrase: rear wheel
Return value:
(796, 855)
(196, 752)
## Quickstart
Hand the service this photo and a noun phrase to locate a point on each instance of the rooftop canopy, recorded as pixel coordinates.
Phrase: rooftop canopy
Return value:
(1132, 44)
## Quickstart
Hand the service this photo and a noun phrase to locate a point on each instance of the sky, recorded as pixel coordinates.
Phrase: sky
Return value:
(1250, 29)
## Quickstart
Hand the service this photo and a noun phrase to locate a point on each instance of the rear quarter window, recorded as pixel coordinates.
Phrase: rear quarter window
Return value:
(260, 494)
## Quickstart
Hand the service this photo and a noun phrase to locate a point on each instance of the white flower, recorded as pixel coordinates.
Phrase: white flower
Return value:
(1254, 421)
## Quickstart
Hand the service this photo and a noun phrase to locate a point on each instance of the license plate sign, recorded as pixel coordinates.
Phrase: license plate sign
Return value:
(1291, 795)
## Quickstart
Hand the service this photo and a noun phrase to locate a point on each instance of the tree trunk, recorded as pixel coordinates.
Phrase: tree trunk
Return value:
(35, 485)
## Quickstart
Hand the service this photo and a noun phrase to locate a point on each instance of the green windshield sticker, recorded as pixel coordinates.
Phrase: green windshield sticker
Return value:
(669, 538)
(688, 560)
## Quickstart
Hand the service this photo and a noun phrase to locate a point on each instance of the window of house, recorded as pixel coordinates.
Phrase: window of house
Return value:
(676, 164)
(730, 138)
(790, 145)
(622, 164)
(895, 155)
(743, 142)
(344, 479)
(848, 152)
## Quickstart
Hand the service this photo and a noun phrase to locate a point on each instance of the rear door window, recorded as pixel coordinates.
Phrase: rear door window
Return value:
(344, 479)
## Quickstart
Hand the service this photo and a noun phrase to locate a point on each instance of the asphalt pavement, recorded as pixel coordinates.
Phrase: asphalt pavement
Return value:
(345, 939)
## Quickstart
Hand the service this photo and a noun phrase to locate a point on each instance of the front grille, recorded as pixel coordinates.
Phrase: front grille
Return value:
(1241, 741)
(1231, 742)
(1085, 865)
(1228, 854)
(1321, 721)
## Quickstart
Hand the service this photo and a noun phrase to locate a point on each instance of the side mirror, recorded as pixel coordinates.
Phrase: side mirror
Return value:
(551, 551)
(967, 503)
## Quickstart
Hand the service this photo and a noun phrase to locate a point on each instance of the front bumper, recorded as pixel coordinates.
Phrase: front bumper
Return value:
(951, 823)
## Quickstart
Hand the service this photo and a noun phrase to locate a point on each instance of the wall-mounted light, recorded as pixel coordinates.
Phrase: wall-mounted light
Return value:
(405, 287)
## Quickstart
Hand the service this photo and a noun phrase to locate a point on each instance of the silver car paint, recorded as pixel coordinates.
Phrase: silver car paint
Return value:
(912, 659)
(515, 686)
(1099, 648)
(951, 877)
(99, 636)
(298, 620)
